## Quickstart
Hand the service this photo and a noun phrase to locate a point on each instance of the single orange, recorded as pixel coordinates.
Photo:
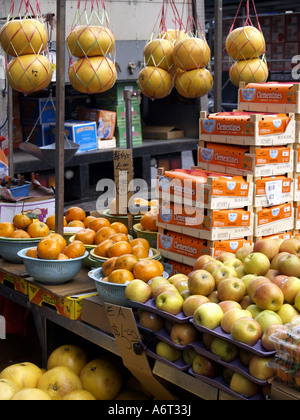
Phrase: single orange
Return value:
(161, 267)
(75, 250)
(6, 229)
(140, 241)
(105, 279)
(120, 276)
(117, 237)
(75, 213)
(21, 221)
(38, 230)
(60, 239)
(148, 221)
(87, 220)
(103, 234)
(119, 248)
(140, 251)
(98, 223)
(50, 222)
(108, 266)
(119, 227)
(126, 261)
(76, 223)
(20, 233)
(62, 257)
(102, 249)
(48, 249)
(86, 235)
(32, 253)
(146, 269)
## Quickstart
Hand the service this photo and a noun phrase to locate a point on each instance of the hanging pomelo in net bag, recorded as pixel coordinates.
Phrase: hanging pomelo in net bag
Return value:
(24, 38)
(246, 48)
(92, 42)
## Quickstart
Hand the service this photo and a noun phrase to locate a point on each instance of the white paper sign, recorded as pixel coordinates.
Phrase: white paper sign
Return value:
(274, 192)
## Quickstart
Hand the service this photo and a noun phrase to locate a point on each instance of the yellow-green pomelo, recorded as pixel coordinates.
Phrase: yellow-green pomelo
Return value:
(249, 71)
(159, 53)
(90, 41)
(23, 36)
(154, 82)
(191, 53)
(245, 42)
(93, 74)
(193, 83)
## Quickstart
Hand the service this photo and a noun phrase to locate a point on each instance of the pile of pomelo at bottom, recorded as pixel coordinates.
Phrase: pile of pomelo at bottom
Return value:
(70, 375)
(24, 226)
(258, 288)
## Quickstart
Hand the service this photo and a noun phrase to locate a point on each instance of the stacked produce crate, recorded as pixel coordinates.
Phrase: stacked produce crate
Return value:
(113, 100)
(196, 216)
(253, 141)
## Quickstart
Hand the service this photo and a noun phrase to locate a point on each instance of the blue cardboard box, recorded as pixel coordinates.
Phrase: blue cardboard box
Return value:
(83, 133)
(40, 136)
(34, 108)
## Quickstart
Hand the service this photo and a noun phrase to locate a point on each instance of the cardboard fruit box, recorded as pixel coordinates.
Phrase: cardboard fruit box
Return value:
(272, 220)
(240, 160)
(269, 191)
(205, 189)
(269, 97)
(248, 129)
(297, 187)
(14, 276)
(205, 224)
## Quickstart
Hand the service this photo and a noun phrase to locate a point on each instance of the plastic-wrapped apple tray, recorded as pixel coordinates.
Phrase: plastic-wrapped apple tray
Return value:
(220, 383)
(257, 349)
(150, 306)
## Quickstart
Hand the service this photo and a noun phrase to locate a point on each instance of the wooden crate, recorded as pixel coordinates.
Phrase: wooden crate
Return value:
(238, 128)
(296, 186)
(267, 189)
(273, 220)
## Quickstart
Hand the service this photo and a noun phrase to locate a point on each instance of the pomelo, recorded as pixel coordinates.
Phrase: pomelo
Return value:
(159, 53)
(245, 42)
(90, 41)
(193, 83)
(191, 53)
(154, 82)
(248, 71)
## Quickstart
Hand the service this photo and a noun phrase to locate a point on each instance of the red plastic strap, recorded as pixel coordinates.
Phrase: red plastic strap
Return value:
(28, 7)
(248, 21)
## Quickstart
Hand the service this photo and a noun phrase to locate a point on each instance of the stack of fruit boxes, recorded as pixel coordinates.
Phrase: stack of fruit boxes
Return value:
(195, 214)
(261, 144)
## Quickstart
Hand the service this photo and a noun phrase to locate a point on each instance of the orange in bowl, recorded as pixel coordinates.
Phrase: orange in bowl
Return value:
(120, 276)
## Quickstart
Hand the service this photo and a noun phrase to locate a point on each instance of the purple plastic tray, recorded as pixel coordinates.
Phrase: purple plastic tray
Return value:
(221, 384)
(235, 365)
(150, 306)
(257, 349)
(179, 364)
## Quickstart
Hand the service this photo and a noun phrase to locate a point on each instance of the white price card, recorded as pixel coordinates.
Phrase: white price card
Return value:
(274, 192)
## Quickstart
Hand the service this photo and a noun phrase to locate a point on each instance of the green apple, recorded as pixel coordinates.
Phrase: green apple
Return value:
(167, 351)
(192, 302)
(243, 252)
(170, 302)
(268, 296)
(266, 318)
(233, 262)
(287, 312)
(208, 315)
(243, 386)
(224, 349)
(297, 301)
(138, 291)
(240, 271)
(231, 316)
(189, 355)
(259, 368)
(245, 356)
(254, 310)
(257, 263)
(246, 330)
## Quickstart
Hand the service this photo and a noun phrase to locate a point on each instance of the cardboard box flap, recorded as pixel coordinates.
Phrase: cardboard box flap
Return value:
(162, 132)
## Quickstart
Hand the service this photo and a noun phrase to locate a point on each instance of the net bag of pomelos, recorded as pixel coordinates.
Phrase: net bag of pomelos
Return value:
(25, 42)
(246, 48)
(91, 48)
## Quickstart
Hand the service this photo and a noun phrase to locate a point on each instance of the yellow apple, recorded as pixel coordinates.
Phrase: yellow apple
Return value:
(102, 378)
(243, 386)
(246, 279)
(8, 389)
(223, 273)
(79, 395)
(208, 315)
(275, 260)
(233, 262)
(167, 351)
(259, 368)
(138, 291)
(226, 305)
(231, 316)
(205, 367)
(225, 256)
(290, 287)
(192, 302)
(211, 266)
(266, 340)
(68, 355)
(267, 246)
(201, 282)
(289, 265)
(183, 334)
(170, 302)
(266, 318)
(201, 261)
(246, 330)
(231, 288)
(25, 374)
(287, 312)
(151, 321)
(224, 349)
(243, 252)
(155, 281)
(177, 277)
(163, 288)
(297, 301)
(254, 283)
(59, 381)
(257, 263)
(268, 296)
(213, 297)
(31, 394)
(254, 310)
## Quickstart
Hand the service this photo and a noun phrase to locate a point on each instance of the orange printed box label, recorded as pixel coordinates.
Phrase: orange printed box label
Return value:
(272, 155)
(179, 215)
(182, 244)
(240, 124)
(230, 246)
(275, 93)
(174, 267)
(284, 235)
(264, 184)
(196, 184)
(298, 154)
(298, 213)
(231, 218)
(273, 214)
(225, 155)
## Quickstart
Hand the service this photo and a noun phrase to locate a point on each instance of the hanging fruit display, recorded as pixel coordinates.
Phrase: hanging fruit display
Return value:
(25, 39)
(93, 44)
(246, 48)
(175, 57)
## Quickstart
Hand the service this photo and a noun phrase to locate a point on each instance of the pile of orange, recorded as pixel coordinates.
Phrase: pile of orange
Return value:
(148, 221)
(24, 227)
(54, 247)
(127, 267)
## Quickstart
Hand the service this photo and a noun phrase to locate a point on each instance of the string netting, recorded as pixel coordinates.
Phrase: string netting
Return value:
(91, 48)
(24, 40)
(246, 48)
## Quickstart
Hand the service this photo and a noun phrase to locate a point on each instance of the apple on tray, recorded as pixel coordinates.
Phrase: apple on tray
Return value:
(231, 316)
(205, 367)
(192, 302)
(224, 349)
(289, 265)
(177, 278)
(241, 385)
(138, 291)
(254, 283)
(223, 273)
(208, 315)
(168, 352)
(151, 321)
(163, 288)
(268, 296)
(257, 263)
(287, 313)
(155, 281)
(183, 334)
(268, 246)
(266, 340)
(246, 330)
(266, 318)
(259, 368)
(231, 288)
(170, 302)
(226, 305)
(243, 252)
(201, 282)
